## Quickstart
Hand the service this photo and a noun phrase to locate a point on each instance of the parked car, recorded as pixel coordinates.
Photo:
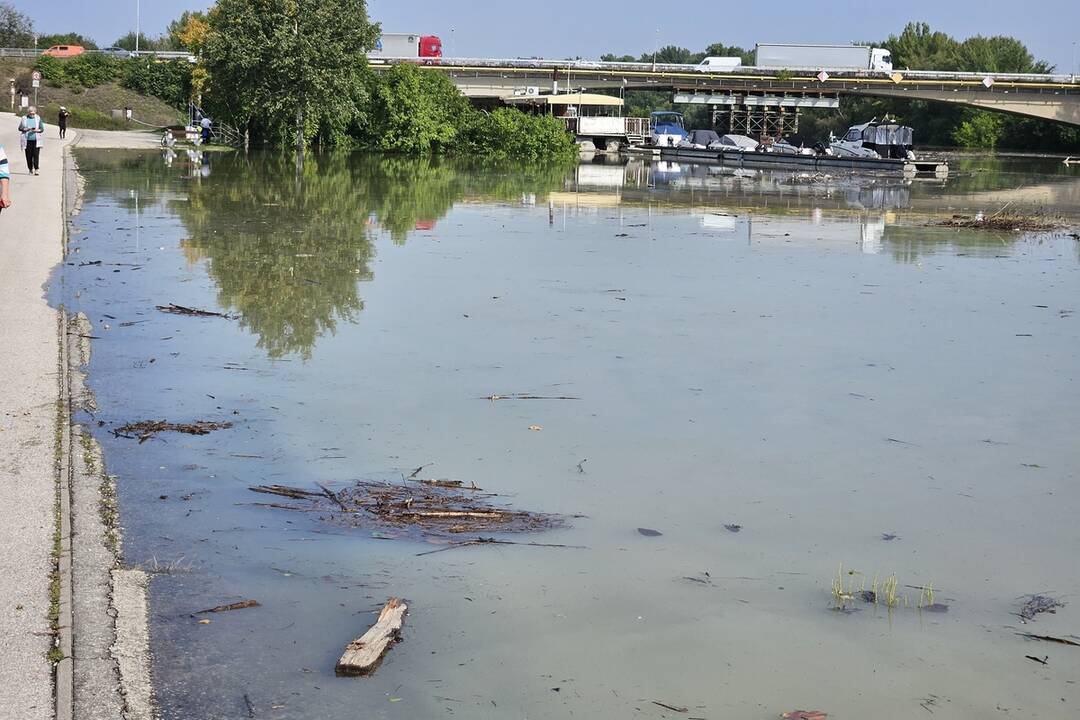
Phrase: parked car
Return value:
(64, 51)
(118, 52)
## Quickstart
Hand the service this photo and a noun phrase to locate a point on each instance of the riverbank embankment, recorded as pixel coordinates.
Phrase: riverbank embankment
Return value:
(75, 642)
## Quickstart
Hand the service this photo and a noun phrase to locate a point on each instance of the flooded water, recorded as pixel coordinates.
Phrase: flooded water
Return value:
(806, 360)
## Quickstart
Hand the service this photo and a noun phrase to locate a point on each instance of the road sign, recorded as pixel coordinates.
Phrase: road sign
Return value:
(36, 76)
(35, 83)
(822, 76)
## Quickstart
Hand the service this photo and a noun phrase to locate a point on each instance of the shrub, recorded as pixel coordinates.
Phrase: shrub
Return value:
(52, 70)
(513, 135)
(170, 81)
(91, 69)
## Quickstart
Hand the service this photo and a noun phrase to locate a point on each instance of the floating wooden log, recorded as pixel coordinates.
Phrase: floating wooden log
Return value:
(362, 655)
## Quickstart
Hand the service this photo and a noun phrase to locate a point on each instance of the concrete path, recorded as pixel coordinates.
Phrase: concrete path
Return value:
(30, 245)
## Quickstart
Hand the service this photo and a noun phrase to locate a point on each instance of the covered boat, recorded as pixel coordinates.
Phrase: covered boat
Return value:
(667, 128)
(875, 139)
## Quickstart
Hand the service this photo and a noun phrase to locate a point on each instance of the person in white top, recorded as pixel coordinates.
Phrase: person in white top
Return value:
(32, 128)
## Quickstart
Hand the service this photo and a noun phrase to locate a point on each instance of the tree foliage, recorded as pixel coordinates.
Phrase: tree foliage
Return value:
(508, 134)
(414, 111)
(289, 70)
(71, 38)
(169, 81)
(189, 31)
(16, 29)
(145, 42)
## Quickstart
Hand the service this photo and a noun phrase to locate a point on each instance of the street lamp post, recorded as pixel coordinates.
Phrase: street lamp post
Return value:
(138, 18)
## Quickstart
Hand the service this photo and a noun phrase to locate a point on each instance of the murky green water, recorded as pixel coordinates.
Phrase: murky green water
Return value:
(808, 361)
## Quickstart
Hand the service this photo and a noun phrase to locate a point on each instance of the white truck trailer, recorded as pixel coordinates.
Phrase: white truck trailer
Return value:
(406, 45)
(823, 57)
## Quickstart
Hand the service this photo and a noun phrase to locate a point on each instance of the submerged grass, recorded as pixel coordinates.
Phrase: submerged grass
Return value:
(886, 592)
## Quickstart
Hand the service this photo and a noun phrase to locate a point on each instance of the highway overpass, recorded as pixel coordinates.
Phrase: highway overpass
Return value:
(1050, 97)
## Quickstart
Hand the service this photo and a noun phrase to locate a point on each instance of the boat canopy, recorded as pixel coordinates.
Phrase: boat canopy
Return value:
(583, 99)
(704, 138)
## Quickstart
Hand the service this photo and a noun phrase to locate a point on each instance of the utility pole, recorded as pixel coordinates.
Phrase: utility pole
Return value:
(138, 20)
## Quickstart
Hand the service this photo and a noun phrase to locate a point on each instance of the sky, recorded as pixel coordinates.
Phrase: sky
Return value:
(569, 28)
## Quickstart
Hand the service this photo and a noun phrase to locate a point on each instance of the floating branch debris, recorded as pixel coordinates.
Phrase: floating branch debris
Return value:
(436, 508)
(143, 430)
(1049, 638)
(528, 396)
(1038, 604)
(192, 312)
(242, 605)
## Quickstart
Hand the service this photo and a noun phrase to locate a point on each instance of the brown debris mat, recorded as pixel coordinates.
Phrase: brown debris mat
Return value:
(439, 510)
(143, 430)
(1008, 222)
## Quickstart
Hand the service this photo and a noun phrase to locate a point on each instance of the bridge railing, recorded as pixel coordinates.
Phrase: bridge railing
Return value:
(742, 70)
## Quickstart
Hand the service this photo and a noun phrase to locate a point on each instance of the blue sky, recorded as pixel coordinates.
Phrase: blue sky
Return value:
(562, 28)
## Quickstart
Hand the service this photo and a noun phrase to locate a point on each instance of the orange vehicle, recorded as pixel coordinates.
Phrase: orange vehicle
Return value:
(64, 51)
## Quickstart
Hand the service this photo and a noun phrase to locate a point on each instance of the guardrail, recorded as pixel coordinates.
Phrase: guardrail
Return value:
(840, 73)
(19, 52)
(163, 54)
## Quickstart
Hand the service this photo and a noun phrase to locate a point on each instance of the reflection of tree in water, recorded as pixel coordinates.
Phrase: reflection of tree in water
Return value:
(910, 244)
(287, 252)
(401, 192)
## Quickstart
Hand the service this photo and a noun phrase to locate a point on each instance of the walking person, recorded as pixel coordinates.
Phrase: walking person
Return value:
(206, 129)
(61, 121)
(32, 128)
(5, 180)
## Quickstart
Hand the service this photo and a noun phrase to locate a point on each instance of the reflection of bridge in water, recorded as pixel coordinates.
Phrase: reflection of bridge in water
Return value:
(849, 212)
(768, 90)
(615, 181)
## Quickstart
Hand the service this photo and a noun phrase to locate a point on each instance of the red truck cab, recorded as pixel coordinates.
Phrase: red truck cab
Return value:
(430, 46)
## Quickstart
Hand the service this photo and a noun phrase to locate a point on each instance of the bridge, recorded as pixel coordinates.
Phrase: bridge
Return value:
(761, 91)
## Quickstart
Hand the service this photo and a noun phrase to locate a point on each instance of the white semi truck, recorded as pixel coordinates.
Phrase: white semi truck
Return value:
(407, 45)
(823, 57)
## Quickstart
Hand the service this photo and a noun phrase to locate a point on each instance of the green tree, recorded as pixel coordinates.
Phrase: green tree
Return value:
(145, 42)
(187, 31)
(289, 68)
(980, 130)
(169, 81)
(16, 29)
(722, 50)
(674, 55)
(997, 54)
(507, 134)
(414, 110)
(920, 48)
(71, 38)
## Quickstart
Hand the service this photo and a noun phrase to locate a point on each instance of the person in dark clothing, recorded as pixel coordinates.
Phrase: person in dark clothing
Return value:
(61, 121)
(33, 132)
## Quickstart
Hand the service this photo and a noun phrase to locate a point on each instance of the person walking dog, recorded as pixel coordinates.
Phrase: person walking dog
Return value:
(5, 180)
(32, 128)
